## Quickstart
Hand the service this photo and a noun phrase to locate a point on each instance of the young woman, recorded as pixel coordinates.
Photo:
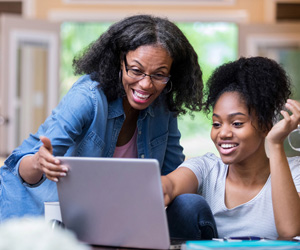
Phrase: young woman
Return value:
(137, 77)
(252, 191)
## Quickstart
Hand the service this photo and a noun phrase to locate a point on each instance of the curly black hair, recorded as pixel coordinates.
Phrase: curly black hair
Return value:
(262, 82)
(102, 59)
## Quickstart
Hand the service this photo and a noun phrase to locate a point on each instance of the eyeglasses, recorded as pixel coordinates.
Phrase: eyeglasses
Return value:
(139, 75)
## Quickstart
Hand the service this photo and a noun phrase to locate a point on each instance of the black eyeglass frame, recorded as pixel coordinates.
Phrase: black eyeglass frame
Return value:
(143, 75)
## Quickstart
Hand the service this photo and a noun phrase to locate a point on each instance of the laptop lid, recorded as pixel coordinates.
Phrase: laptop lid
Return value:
(114, 202)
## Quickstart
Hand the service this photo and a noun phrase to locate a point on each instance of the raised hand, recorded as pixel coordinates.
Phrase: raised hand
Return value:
(285, 126)
(47, 163)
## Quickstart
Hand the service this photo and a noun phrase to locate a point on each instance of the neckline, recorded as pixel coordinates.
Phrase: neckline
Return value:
(249, 201)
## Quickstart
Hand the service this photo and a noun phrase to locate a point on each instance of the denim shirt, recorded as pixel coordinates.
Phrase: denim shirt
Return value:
(85, 124)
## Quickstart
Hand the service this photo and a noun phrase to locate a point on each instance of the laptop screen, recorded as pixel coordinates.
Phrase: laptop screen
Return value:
(114, 202)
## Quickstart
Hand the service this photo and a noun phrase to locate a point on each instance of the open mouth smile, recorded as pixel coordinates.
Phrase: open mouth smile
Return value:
(227, 146)
(140, 95)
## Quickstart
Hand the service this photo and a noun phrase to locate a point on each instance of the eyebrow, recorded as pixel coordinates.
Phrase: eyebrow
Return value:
(162, 67)
(230, 115)
(137, 62)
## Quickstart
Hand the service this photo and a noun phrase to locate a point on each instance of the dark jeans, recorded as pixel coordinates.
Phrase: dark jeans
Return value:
(189, 217)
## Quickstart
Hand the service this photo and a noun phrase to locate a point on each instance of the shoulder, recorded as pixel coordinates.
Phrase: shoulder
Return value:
(208, 159)
(204, 164)
(294, 163)
(207, 168)
(85, 90)
(83, 101)
(85, 82)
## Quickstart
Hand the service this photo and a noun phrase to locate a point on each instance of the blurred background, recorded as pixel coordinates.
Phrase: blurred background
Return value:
(39, 39)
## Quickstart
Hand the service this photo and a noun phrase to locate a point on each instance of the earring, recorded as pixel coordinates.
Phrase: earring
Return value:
(120, 76)
(171, 85)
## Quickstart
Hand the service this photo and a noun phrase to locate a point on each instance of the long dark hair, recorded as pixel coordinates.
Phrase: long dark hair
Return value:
(103, 58)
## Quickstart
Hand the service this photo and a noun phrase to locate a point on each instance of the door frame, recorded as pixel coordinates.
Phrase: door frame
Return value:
(15, 30)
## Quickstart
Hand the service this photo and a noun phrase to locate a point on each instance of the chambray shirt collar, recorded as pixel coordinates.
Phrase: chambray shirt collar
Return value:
(148, 110)
(115, 109)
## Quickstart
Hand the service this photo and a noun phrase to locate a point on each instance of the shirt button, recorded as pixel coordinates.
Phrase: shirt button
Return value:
(142, 156)
(140, 132)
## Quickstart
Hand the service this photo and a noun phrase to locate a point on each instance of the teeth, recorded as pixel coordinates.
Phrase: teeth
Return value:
(139, 95)
(228, 145)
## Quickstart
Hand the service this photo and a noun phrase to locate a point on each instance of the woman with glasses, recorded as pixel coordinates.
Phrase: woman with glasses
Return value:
(250, 190)
(136, 79)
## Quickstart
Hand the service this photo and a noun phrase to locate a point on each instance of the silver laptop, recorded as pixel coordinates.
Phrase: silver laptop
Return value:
(114, 202)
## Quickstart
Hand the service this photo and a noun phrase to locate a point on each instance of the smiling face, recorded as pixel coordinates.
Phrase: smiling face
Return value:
(234, 131)
(152, 60)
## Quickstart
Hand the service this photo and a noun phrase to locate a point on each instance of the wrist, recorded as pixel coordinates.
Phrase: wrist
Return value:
(35, 163)
(275, 147)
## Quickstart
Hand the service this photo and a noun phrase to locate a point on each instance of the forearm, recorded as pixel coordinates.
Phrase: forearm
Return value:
(286, 201)
(28, 169)
(167, 186)
(180, 181)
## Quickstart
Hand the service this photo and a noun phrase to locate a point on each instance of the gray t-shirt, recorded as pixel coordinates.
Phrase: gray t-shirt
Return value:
(253, 218)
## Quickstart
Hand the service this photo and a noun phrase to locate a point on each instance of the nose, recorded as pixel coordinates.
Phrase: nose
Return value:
(146, 82)
(225, 132)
